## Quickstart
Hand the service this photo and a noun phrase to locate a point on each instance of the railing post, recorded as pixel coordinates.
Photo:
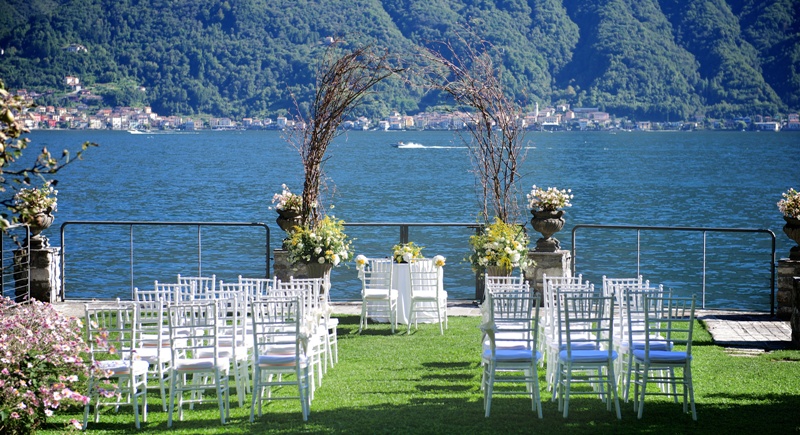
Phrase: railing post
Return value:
(403, 234)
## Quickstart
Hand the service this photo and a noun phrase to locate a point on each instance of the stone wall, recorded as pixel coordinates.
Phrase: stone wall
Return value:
(558, 263)
(795, 320)
(787, 270)
(44, 268)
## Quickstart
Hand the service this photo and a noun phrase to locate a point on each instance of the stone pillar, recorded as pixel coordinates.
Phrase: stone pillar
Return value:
(787, 270)
(44, 267)
(283, 269)
(558, 263)
(795, 321)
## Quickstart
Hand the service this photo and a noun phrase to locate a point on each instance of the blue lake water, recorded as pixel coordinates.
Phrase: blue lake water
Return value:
(696, 179)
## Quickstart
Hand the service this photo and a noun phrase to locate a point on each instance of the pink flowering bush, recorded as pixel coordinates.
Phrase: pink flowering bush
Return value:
(40, 365)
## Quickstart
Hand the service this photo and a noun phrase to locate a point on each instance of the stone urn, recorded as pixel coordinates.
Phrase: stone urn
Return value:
(38, 223)
(547, 222)
(792, 229)
(320, 270)
(288, 219)
(498, 271)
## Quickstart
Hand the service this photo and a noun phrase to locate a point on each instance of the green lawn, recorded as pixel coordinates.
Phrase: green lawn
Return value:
(427, 383)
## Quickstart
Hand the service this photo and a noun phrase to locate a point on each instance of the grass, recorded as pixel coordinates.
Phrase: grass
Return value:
(427, 383)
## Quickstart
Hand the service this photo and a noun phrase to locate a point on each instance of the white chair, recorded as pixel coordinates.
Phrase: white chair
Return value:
(631, 327)
(586, 321)
(378, 298)
(194, 328)
(328, 324)
(309, 297)
(512, 354)
(152, 343)
(554, 331)
(234, 343)
(110, 334)
(671, 319)
(427, 294)
(280, 352)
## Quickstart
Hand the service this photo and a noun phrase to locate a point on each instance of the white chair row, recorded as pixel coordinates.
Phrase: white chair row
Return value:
(380, 299)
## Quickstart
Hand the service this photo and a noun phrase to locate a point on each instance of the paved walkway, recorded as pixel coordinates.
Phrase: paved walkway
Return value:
(745, 332)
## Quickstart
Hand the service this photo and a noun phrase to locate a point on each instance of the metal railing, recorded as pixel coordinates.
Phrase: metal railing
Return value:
(15, 282)
(132, 224)
(703, 230)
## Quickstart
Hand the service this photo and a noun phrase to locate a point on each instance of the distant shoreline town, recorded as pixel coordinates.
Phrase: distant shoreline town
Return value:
(558, 118)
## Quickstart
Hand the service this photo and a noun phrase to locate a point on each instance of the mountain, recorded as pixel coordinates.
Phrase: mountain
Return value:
(647, 59)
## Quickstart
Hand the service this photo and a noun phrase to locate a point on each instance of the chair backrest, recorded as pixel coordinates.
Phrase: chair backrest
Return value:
(151, 325)
(514, 312)
(276, 325)
(670, 319)
(111, 330)
(307, 291)
(377, 275)
(586, 320)
(165, 292)
(256, 287)
(611, 285)
(506, 283)
(631, 308)
(193, 329)
(198, 286)
(424, 278)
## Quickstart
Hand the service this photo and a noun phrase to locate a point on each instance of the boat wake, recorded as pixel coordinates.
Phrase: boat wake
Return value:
(414, 145)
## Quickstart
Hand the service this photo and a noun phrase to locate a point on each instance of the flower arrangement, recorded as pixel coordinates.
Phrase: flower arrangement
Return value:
(551, 199)
(324, 243)
(790, 204)
(406, 252)
(30, 202)
(439, 261)
(40, 366)
(501, 244)
(287, 201)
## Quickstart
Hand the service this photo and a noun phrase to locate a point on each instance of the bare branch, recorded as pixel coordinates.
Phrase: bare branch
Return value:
(342, 81)
(493, 134)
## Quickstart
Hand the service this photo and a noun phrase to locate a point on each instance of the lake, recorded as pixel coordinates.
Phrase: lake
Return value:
(686, 179)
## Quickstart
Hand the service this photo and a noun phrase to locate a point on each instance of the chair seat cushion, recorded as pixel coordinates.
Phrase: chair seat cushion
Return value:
(198, 364)
(123, 367)
(152, 355)
(640, 345)
(587, 356)
(512, 355)
(660, 357)
(283, 360)
(373, 294)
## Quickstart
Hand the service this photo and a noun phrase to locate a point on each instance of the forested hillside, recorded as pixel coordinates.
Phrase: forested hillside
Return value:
(647, 59)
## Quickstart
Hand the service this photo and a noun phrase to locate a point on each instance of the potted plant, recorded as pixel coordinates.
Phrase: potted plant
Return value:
(548, 214)
(320, 247)
(406, 252)
(790, 207)
(289, 207)
(35, 207)
(499, 248)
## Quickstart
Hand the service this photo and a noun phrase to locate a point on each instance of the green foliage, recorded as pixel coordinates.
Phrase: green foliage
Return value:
(655, 59)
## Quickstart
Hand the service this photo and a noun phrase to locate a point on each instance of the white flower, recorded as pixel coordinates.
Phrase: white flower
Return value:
(321, 260)
(407, 257)
(361, 262)
(336, 259)
(439, 261)
(317, 250)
